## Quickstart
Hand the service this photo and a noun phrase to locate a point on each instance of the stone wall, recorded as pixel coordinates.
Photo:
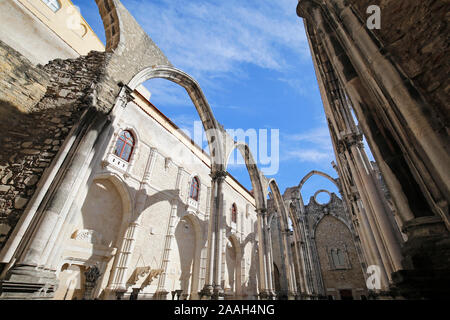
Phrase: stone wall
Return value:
(22, 84)
(332, 233)
(415, 33)
(41, 106)
(325, 222)
(322, 227)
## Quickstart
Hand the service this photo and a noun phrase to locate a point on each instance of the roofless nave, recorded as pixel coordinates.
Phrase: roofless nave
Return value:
(94, 204)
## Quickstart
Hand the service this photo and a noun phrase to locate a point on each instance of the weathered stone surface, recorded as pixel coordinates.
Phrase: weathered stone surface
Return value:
(415, 33)
(21, 83)
(34, 126)
(31, 180)
(20, 202)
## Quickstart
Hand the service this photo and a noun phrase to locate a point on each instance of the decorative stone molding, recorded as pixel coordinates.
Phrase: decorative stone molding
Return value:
(87, 235)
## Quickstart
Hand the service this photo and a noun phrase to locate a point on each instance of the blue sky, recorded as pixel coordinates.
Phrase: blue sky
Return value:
(252, 60)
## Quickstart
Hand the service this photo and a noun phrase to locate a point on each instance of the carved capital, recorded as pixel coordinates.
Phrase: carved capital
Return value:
(353, 139)
(218, 175)
(304, 8)
(262, 211)
(92, 274)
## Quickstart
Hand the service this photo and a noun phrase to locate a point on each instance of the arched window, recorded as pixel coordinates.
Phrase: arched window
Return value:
(335, 258)
(341, 259)
(124, 145)
(54, 5)
(233, 213)
(195, 188)
(338, 259)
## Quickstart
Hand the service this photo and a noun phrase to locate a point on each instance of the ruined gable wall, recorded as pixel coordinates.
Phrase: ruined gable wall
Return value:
(332, 233)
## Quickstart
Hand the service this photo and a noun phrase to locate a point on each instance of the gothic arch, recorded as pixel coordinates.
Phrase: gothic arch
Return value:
(253, 171)
(126, 215)
(279, 202)
(283, 216)
(238, 250)
(322, 216)
(319, 173)
(213, 130)
(111, 18)
(198, 234)
(123, 190)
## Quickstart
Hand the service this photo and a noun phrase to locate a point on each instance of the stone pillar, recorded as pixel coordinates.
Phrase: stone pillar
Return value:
(286, 254)
(269, 258)
(213, 288)
(28, 267)
(264, 291)
(385, 226)
(362, 232)
(405, 105)
(319, 285)
(368, 218)
(298, 257)
(297, 260)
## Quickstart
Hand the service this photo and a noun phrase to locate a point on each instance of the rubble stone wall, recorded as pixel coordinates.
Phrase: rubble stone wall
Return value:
(415, 34)
(39, 107)
(22, 84)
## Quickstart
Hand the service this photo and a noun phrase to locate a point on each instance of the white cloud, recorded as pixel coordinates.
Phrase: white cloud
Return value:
(216, 36)
(308, 155)
(168, 93)
(310, 146)
(319, 136)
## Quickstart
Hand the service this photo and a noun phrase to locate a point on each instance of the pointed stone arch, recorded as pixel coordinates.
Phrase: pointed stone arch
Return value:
(339, 218)
(212, 128)
(239, 253)
(319, 173)
(123, 190)
(111, 22)
(287, 263)
(255, 174)
(194, 221)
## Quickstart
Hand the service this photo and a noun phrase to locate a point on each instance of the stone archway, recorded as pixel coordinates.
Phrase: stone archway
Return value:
(319, 173)
(214, 132)
(287, 273)
(97, 235)
(252, 168)
(182, 258)
(233, 278)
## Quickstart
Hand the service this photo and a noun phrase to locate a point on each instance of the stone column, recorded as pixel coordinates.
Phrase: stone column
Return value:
(213, 288)
(372, 246)
(269, 258)
(28, 267)
(320, 287)
(298, 257)
(385, 226)
(264, 291)
(406, 107)
(368, 221)
(368, 254)
(286, 254)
